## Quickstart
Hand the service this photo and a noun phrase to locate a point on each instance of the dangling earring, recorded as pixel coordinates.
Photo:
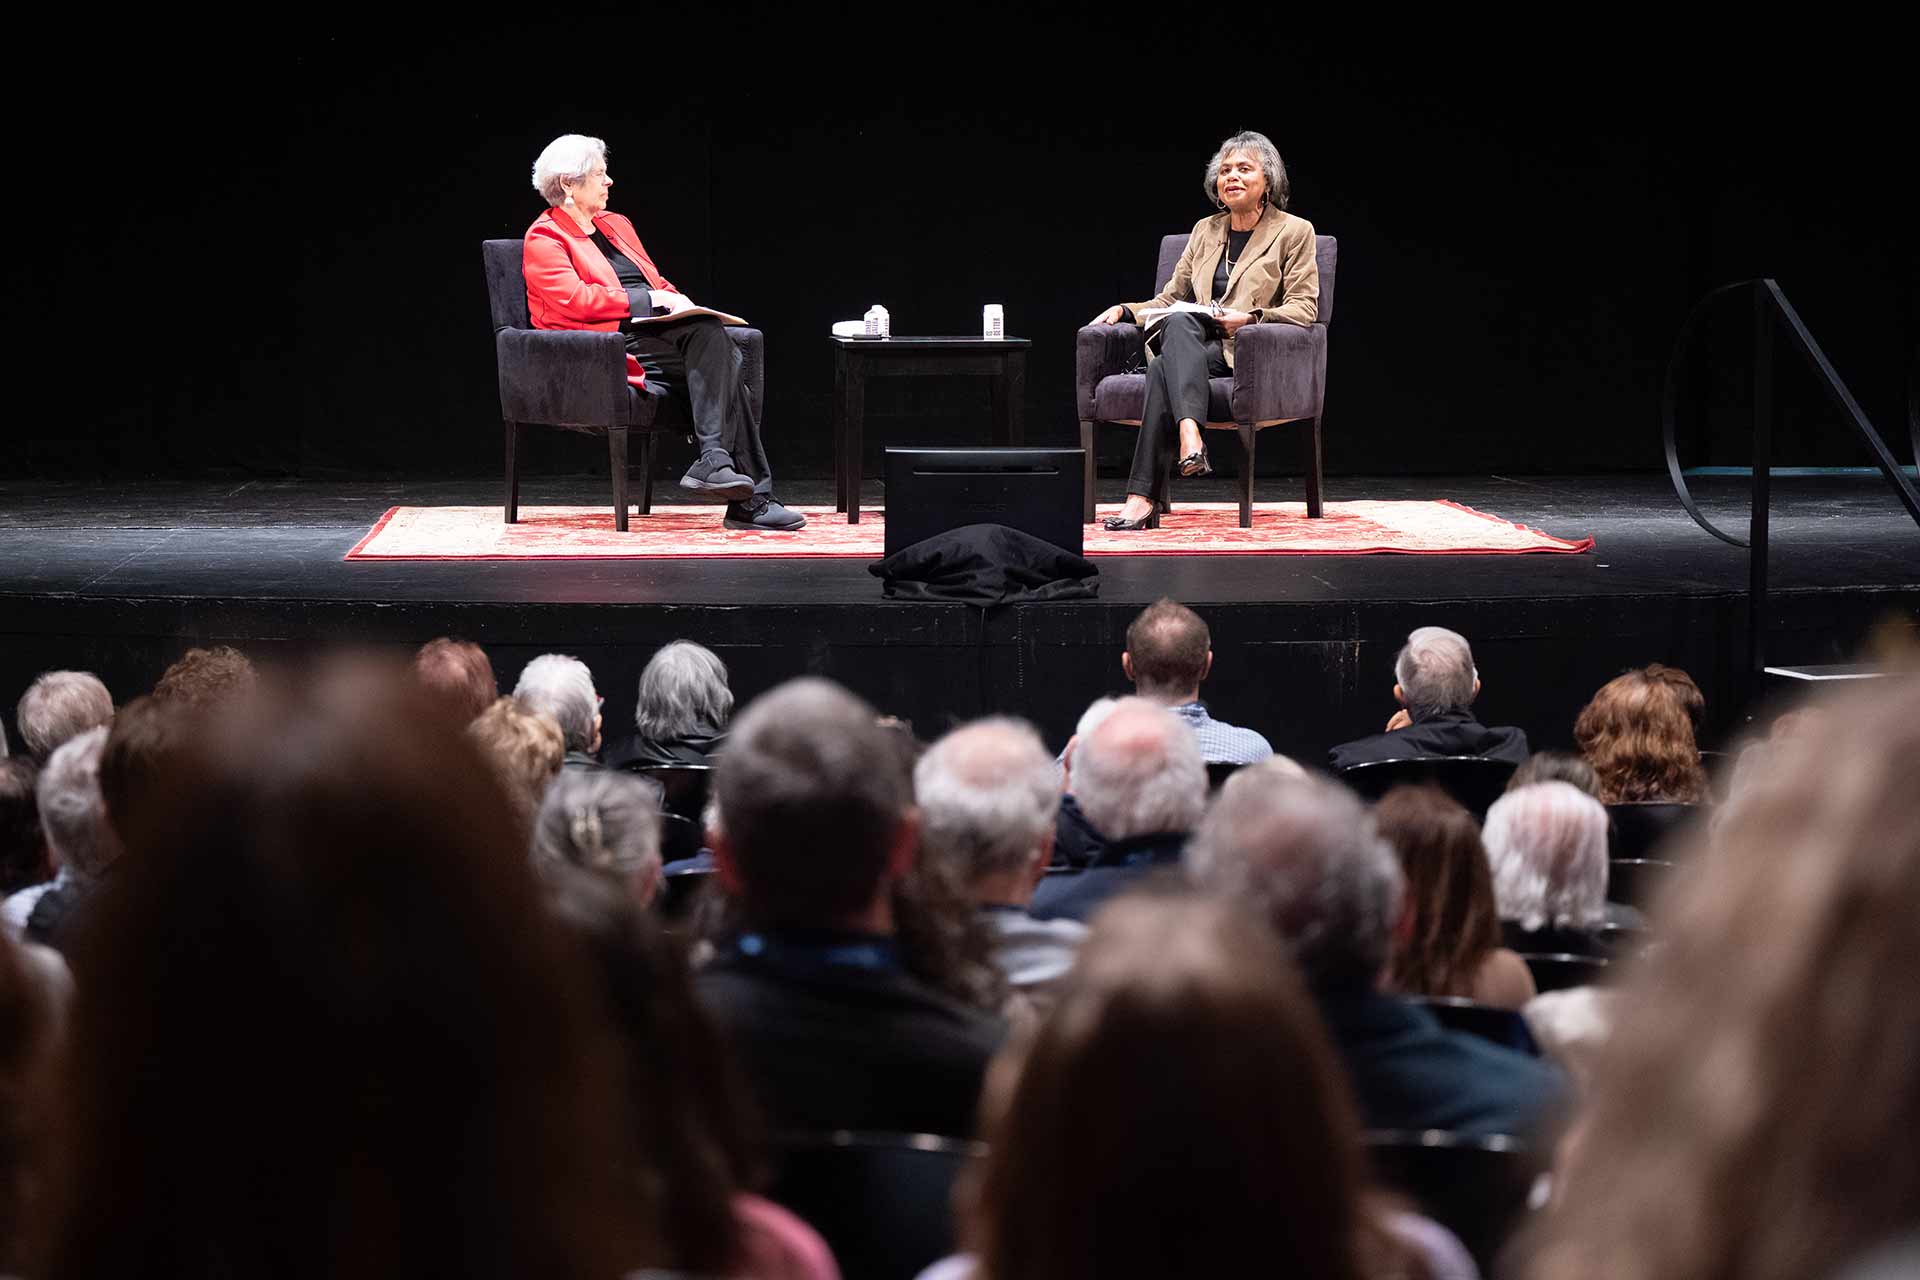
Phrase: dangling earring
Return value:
(569, 200)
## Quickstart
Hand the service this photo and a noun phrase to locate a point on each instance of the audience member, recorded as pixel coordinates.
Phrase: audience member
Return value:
(1436, 685)
(1142, 785)
(1754, 1112)
(988, 801)
(603, 823)
(1571, 1026)
(1075, 842)
(1556, 766)
(1547, 846)
(1169, 653)
(693, 1150)
(23, 846)
(459, 675)
(817, 824)
(1307, 855)
(681, 714)
(562, 687)
(1637, 733)
(207, 677)
(1449, 944)
(60, 705)
(73, 822)
(319, 1032)
(1181, 1114)
(30, 1062)
(525, 748)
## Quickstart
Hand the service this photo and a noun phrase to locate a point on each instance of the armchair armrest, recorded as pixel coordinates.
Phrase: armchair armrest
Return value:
(1279, 372)
(562, 377)
(1100, 351)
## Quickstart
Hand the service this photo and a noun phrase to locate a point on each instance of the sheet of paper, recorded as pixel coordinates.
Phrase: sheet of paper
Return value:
(722, 316)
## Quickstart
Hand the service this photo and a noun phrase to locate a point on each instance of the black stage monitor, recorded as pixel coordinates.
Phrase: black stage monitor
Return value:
(1037, 491)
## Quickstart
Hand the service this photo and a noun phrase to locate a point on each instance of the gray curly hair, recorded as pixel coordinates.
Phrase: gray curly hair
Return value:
(1261, 148)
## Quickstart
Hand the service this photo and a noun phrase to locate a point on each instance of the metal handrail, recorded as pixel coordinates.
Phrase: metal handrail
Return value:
(1769, 305)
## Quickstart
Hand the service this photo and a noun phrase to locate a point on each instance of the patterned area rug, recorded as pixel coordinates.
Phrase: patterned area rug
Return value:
(1201, 528)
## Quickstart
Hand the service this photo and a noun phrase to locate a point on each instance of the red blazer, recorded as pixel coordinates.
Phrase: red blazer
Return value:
(570, 283)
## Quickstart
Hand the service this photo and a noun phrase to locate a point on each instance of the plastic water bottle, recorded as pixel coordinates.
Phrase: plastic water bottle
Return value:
(993, 322)
(874, 313)
(886, 321)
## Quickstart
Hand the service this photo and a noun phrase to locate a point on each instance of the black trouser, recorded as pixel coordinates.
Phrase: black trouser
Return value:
(1176, 389)
(695, 361)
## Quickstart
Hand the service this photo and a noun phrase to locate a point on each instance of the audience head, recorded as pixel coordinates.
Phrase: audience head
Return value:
(603, 822)
(73, 813)
(526, 751)
(1169, 651)
(988, 801)
(23, 846)
(458, 674)
(1140, 773)
(139, 759)
(1753, 1112)
(1637, 733)
(816, 806)
(1453, 922)
(319, 1031)
(1306, 854)
(1556, 766)
(1134, 1142)
(1435, 673)
(209, 677)
(1547, 845)
(57, 706)
(683, 694)
(562, 687)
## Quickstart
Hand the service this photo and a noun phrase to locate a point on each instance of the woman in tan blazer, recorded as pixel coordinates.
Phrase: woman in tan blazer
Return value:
(1251, 263)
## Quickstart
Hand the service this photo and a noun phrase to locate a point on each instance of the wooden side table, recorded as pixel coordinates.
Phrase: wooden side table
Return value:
(857, 359)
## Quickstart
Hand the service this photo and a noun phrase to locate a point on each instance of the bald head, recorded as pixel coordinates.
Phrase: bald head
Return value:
(1140, 773)
(988, 798)
(1168, 652)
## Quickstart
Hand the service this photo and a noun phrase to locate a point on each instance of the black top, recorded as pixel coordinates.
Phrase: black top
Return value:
(1121, 865)
(632, 278)
(1451, 733)
(1236, 245)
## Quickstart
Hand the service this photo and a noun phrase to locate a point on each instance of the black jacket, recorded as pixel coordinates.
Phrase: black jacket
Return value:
(850, 1048)
(1453, 733)
(1118, 867)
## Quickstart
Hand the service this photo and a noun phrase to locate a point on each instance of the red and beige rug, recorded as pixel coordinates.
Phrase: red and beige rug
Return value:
(1200, 528)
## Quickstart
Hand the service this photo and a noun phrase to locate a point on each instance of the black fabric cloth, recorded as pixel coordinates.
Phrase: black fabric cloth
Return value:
(1075, 842)
(1120, 866)
(1409, 1072)
(52, 916)
(1230, 252)
(632, 278)
(1551, 941)
(1452, 733)
(577, 760)
(847, 1047)
(695, 360)
(986, 564)
(639, 752)
(1190, 353)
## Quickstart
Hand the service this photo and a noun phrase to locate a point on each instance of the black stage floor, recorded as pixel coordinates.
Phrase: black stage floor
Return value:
(121, 578)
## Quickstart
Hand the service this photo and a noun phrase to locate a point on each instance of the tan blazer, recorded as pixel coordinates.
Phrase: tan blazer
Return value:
(1276, 279)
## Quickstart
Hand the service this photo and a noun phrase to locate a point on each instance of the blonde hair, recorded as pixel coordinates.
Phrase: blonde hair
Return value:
(525, 749)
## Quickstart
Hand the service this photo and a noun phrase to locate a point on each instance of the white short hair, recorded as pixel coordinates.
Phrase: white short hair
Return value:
(58, 705)
(1547, 845)
(72, 813)
(1090, 719)
(562, 687)
(1140, 773)
(988, 797)
(1435, 672)
(568, 158)
(683, 693)
(1304, 852)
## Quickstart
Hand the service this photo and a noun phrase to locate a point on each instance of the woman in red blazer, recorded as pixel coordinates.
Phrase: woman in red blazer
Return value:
(586, 269)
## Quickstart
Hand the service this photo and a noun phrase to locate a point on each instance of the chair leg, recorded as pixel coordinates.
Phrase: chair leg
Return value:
(1313, 469)
(647, 443)
(513, 471)
(1249, 436)
(617, 461)
(1086, 447)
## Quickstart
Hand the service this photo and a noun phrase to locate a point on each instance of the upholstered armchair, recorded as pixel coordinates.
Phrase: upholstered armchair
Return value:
(576, 380)
(1279, 376)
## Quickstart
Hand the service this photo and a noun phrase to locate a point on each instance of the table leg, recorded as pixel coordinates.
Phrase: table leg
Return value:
(856, 412)
(839, 413)
(1016, 394)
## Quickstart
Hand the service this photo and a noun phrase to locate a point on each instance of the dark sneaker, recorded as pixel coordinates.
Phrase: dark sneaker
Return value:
(714, 476)
(762, 512)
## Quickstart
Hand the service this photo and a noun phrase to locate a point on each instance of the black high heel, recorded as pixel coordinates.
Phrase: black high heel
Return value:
(1120, 524)
(1196, 464)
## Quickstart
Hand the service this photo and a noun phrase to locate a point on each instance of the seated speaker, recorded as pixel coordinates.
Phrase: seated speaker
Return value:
(1037, 491)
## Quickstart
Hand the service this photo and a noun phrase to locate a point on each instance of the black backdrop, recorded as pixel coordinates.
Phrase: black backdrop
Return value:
(249, 248)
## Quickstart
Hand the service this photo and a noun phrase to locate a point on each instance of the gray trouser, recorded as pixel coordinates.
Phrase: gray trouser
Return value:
(1176, 389)
(695, 359)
